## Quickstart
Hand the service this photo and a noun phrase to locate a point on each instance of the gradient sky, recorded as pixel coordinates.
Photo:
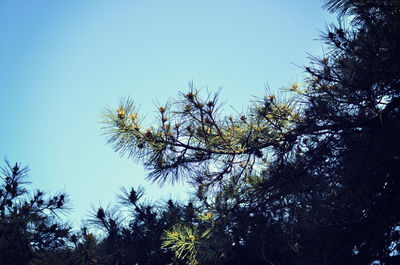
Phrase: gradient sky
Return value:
(63, 62)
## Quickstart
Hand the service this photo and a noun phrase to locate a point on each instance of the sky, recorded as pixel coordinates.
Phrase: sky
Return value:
(62, 63)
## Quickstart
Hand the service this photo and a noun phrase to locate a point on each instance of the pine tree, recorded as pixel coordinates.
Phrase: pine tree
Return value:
(309, 180)
(29, 229)
(352, 120)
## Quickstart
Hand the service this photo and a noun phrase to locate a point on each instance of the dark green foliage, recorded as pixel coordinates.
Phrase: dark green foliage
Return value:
(352, 122)
(28, 227)
(312, 180)
(133, 232)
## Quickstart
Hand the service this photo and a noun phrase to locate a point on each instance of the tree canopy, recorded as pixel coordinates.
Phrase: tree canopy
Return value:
(307, 176)
(312, 179)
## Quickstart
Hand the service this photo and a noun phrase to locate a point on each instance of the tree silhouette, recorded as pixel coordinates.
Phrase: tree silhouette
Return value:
(309, 180)
(28, 227)
(133, 230)
(308, 177)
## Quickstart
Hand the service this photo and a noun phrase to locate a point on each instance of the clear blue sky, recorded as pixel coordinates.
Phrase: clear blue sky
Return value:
(63, 62)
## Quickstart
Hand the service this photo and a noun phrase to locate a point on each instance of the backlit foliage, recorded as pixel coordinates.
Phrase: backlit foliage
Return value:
(194, 141)
(309, 180)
